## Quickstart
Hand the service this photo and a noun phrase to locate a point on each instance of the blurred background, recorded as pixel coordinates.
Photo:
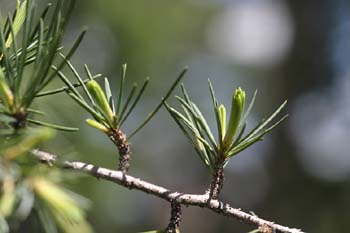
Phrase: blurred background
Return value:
(298, 176)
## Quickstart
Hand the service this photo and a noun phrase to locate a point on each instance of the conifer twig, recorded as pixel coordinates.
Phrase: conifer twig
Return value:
(202, 200)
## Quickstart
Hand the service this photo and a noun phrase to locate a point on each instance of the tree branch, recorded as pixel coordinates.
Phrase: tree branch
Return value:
(131, 182)
(175, 218)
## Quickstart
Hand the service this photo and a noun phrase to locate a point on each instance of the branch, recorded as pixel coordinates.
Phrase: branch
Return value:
(131, 182)
(175, 219)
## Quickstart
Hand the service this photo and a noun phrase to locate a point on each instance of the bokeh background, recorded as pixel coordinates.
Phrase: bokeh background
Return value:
(298, 176)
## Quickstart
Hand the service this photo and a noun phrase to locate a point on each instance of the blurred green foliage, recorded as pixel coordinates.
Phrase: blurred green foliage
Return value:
(29, 46)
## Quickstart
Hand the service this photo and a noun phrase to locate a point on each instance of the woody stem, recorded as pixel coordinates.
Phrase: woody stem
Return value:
(119, 139)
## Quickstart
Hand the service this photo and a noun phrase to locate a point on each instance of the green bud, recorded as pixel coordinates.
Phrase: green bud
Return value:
(101, 100)
(222, 118)
(237, 108)
(97, 125)
(199, 143)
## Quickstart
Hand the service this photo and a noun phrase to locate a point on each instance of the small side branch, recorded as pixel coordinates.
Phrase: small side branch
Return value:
(131, 182)
(175, 219)
(119, 139)
(218, 180)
